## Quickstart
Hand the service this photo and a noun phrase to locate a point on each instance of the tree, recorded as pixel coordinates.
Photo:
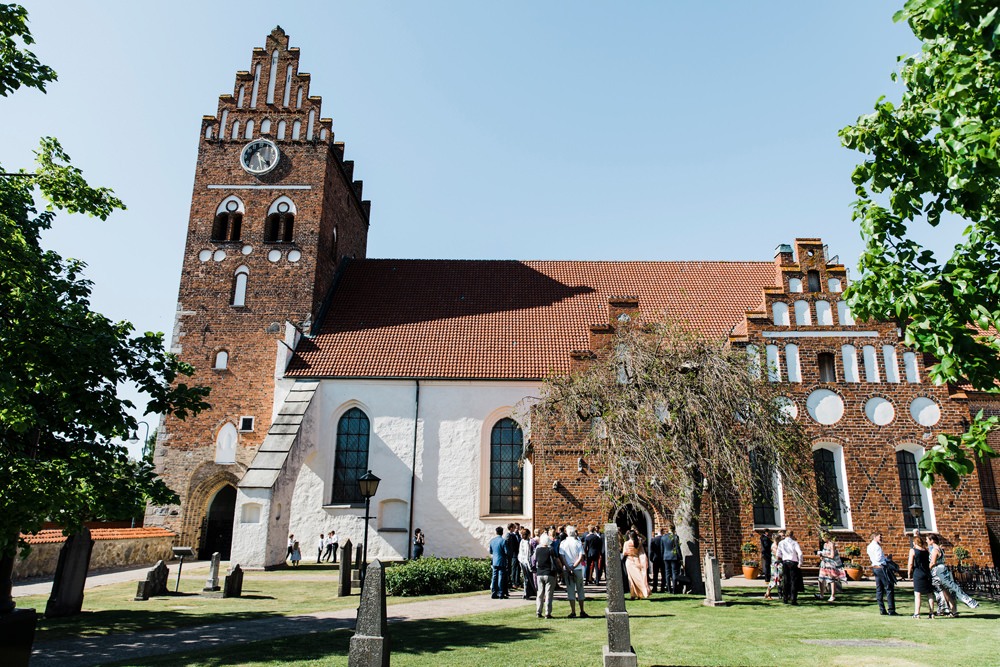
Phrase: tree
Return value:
(934, 158)
(62, 363)
(670, 415)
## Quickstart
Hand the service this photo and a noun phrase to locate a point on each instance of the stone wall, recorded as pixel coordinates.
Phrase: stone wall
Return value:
(110, 552)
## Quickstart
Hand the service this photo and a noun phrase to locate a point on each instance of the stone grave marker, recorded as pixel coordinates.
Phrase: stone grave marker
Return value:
(618, 651)
(71, 575)
(370, 643)
(358, 566)
(155, 583)
(344, 589)
(234, 582)
(713, 582)
(212, 584)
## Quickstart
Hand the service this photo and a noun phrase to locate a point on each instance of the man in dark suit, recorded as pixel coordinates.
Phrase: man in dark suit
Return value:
(498, 553)
(513, 541)
(765, 555)
(593, 544)
(672, 558)
(657, 566)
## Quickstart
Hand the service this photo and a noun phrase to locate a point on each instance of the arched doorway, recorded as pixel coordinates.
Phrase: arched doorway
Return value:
(218, 535)
(632, 515)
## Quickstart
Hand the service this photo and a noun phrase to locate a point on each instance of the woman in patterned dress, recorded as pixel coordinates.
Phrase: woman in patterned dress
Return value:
(775, 581)
(831, 569)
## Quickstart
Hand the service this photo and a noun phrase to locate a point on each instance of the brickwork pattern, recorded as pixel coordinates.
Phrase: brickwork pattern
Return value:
(287, 281)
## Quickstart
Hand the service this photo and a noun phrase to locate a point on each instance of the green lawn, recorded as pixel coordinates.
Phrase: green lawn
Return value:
(665, 631)
(112, 610)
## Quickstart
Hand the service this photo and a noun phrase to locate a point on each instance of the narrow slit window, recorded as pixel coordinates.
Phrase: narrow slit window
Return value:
(240, 286)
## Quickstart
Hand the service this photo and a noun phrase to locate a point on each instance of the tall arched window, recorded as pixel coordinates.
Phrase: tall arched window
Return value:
(827, 487)
(766, 506)
(225, 443)
(506, 476)
(228, 223)
(279, 226)
(240, 286)
(272, 74)
(910, 489)
(221, 360)
(351, 459)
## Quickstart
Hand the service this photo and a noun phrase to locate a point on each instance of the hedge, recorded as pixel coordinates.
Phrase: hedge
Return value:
(436, 576)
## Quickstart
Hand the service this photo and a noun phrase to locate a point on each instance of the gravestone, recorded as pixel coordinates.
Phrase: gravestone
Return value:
(71, 575)
(155, 583)
(344, 589)
(212, 584)
(233, 587)
(358, 567)
(618, 651)
(370, 643)
(713, 582)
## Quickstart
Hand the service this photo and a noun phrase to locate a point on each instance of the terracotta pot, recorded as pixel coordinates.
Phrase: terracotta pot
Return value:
(750, 572)
(854, 573)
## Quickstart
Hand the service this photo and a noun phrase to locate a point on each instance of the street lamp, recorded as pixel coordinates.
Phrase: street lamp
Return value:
(369, 485)
(135, 437)
(916, 511)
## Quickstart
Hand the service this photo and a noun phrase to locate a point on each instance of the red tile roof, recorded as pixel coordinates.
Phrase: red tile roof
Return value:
(50, 536)
(501, 319)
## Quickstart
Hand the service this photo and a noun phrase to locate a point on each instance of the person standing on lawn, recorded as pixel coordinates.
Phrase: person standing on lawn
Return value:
(513, 541)
(545, 570)
(524, 563)
(672, 559)
(418, 544)
(656, 562)
(790, 554)
(885, 585)
(572, 553)
(501, 567)
(331, 547)
(918, 568)
(765, 555)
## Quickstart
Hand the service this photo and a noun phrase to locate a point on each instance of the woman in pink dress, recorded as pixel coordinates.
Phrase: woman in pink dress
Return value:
(636, 566)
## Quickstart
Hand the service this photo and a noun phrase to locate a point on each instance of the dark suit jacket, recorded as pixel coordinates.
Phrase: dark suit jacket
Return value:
(671, 547)
(592, 543)
(656, 548)
(513, 545)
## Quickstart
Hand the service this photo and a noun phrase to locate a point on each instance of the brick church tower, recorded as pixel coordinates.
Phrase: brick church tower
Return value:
(275, 213)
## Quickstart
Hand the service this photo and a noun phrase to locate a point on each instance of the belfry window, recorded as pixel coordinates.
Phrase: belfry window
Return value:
(279, 226)
(506, 475)
(351, 458)
(228, 223)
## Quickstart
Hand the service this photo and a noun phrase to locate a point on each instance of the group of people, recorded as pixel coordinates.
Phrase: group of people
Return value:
(553, 557)
(930, 575)
(326, 548)
(782, 559)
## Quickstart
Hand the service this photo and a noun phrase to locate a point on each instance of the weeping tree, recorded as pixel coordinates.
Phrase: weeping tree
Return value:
(670, 416)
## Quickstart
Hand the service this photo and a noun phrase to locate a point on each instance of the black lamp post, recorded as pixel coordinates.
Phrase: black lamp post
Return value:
(369, 485)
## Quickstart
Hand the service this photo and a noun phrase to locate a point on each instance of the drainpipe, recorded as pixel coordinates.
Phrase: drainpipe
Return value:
(413, 468)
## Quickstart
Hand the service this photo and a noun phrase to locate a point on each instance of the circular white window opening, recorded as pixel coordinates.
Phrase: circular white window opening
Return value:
(925, 411)
(247, 249)
(219, 255)
(231, 206)
(294, 255)
(205, 255)
(879, 411)
(274, 255)
(789, 409)
(283, 207)
(825, 406)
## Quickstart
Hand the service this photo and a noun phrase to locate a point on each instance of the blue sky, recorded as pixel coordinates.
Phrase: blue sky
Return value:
(525, 130)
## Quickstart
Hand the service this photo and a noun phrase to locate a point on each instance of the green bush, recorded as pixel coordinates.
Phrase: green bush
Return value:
(436, 576)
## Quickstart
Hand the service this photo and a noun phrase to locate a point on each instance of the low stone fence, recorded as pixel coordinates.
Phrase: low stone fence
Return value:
(113, 548)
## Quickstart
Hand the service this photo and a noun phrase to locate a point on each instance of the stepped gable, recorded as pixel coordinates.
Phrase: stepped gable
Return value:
(505, 319)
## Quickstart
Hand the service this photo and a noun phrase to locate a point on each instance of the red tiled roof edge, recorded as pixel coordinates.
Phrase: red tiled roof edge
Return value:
(55, 536)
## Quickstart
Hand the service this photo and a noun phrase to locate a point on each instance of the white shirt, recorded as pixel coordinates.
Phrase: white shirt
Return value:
(789, 549)
(876, 554)
(571, 549)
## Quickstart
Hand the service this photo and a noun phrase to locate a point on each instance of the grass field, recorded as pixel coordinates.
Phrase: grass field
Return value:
(671, 630)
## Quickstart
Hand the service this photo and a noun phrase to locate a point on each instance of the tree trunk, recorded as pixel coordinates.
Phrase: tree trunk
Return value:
(6, 585)
(686, 520)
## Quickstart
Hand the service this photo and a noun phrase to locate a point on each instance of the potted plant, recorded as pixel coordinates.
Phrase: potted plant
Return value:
(851, 566)
(751, 566)
(961, 556)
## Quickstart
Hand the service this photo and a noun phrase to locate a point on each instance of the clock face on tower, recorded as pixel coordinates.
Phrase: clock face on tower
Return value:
(259, 157)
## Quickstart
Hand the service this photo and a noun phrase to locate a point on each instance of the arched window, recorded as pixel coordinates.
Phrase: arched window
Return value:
(309, 127)
(803, 316)
(208, 131)
(910, 363)
(298, 99)
(296, 130)
(827, 367)
(844, 314)
(871, 364)
(824, 316)
(773, 363)
(766, 507)
(265, 126)
(351, 459)
(779, 312)
(792, 363)
(272, 74)
(236, 130)
(239, 101)
(753, 359)
(794, 285)
(279, 226)
(288, 85)
(222, 124)
(240, 286)
(281, 130)
(833, 285)
(221, 360)
(828, 487)
(225, 444)
(813, 279)
(891, 366)
(249, 132)
(228, 223)
(506, 476)
(910, 489)
(850, 354)
(256, 86)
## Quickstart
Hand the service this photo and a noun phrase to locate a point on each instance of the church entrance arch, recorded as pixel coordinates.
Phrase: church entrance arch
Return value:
(630, 515)
(218, 533)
